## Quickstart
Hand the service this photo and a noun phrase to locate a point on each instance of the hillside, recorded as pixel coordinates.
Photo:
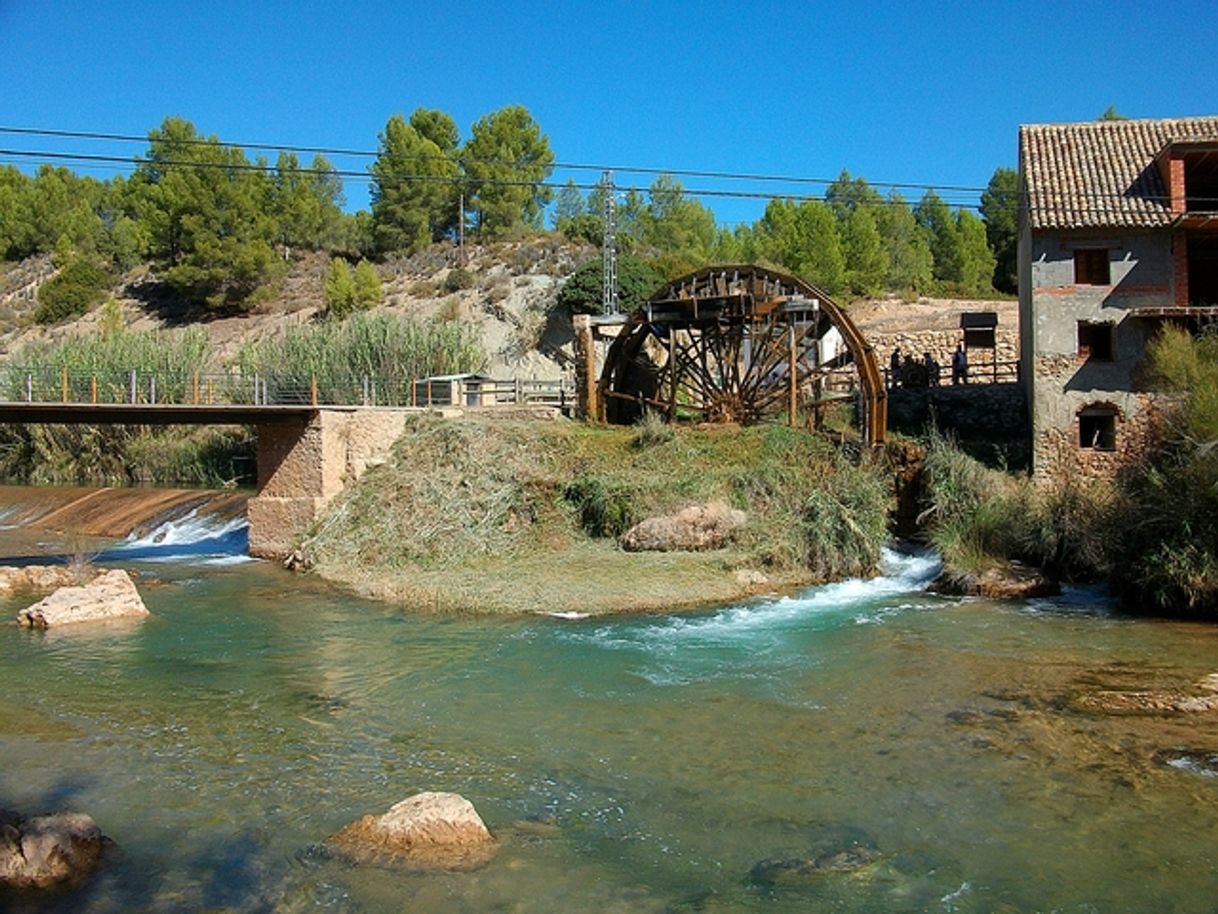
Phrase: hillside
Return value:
(512, 289)
(510, 299)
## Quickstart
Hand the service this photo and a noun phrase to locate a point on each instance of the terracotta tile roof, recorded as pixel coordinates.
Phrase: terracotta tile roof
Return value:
(1102, 174)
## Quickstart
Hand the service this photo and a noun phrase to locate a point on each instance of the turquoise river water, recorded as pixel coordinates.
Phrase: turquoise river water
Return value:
(968, 756)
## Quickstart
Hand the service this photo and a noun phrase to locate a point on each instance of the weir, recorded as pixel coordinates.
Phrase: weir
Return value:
(306, 454)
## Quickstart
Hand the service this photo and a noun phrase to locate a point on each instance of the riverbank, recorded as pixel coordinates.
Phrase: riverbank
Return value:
(515, 517)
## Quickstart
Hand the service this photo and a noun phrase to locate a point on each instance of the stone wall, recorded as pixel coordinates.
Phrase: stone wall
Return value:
(997, 411)
(1057, 439)
(942, 343)
(302, 467)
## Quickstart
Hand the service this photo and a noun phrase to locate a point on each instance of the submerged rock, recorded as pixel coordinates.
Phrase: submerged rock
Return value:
(1010, 581)
(46, 850)
(795, 870)
(1203, 762)
(692, 529)
(429, 831)
(110, 595)
(834, 850)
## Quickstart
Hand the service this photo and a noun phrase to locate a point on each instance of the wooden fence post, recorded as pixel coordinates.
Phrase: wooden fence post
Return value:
(64, 383)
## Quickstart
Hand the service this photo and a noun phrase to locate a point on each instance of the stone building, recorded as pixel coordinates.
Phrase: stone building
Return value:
(1118, 234)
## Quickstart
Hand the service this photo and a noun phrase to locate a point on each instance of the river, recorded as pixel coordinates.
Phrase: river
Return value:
(967, 754)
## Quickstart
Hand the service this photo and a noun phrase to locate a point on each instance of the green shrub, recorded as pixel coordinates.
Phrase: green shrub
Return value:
(651, 430)
(978, 517)
(339, 288)
(71, 292)
(126, 455)
(584, 292)
(603, 510)
(458, 279)
(367, 284)
(845, 523)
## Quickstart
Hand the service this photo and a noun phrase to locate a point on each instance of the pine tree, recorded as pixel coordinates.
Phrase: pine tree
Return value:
(1000, 209)
(803, 238)
(910, 261)
(412, 189)
(943, 232)
(366, 289)
(674, 223)
(340, 291)
(206, 213)
(864, 253)
(568, 206)
(506, 160)
(976, 258)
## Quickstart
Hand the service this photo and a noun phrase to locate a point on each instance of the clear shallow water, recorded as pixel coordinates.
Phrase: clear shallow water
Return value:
(642, 764)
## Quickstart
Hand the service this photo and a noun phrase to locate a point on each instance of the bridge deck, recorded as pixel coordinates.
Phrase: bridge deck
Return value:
(159, 414)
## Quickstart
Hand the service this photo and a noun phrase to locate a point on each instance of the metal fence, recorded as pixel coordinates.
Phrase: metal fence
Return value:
(267, 389)
(997, 372)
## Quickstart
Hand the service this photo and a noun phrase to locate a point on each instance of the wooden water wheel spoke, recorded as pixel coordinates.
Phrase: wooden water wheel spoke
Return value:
(741, 344)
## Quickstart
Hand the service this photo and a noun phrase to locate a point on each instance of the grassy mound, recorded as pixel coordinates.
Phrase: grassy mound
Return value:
(518, 517)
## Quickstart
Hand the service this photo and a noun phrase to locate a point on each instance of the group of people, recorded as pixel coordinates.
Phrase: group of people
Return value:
(909, 372)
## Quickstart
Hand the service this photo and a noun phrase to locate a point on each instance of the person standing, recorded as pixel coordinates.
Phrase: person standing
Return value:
(932, 370)
(959, 365)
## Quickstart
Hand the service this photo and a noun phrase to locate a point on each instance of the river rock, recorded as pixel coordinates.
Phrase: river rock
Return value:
(692, 529)
(46, 850)
(35, 577)
(110, 595)
(795, 870)
(428, 831)
(1009, 581)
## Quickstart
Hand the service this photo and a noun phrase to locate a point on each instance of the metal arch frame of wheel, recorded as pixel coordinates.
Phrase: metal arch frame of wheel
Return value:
(718, 344)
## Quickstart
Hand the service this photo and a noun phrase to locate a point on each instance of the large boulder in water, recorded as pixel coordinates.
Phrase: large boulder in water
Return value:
(40, 578)
(46, 850)
(428, 831)
(110, 595)
(1008, 581)
(692, 529)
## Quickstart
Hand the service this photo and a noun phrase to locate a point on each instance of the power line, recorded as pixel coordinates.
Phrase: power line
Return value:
(455, 180)
(97, 161)
(462, 159)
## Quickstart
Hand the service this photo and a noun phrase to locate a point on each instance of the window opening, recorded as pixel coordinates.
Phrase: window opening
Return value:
(1097, 429)
(1091, 267)
(1201, 183)
(1203, 271)
(1096, 340)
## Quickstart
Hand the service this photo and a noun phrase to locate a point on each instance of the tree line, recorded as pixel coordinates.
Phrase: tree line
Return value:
(220, 227)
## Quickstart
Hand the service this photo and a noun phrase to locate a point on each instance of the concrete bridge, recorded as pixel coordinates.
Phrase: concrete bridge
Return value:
(306, 453)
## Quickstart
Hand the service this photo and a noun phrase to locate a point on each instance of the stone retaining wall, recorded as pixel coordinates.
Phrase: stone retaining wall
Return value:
(970, 410)
(942, 343)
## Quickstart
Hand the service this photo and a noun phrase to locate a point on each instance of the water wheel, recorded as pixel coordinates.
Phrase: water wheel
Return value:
(741, 344)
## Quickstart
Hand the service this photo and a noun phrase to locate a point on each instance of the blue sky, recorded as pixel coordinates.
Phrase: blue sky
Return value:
(925, 94)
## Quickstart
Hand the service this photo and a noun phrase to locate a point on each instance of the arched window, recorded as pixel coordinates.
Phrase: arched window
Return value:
(1097, 425)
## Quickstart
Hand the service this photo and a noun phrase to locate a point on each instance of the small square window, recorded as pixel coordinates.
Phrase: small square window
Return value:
(1091, 267)
(1096, 340)
(1097, 429)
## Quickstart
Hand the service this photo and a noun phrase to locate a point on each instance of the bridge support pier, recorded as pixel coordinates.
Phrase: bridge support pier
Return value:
(302, 465)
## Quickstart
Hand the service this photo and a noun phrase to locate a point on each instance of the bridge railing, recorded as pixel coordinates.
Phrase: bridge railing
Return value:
(273, 388)
(996, 372)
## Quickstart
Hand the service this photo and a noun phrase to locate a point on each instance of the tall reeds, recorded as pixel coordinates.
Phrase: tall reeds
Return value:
(364, 349)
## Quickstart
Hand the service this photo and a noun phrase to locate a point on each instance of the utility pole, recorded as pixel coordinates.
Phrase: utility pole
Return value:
(461, 230)
(609, 300)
